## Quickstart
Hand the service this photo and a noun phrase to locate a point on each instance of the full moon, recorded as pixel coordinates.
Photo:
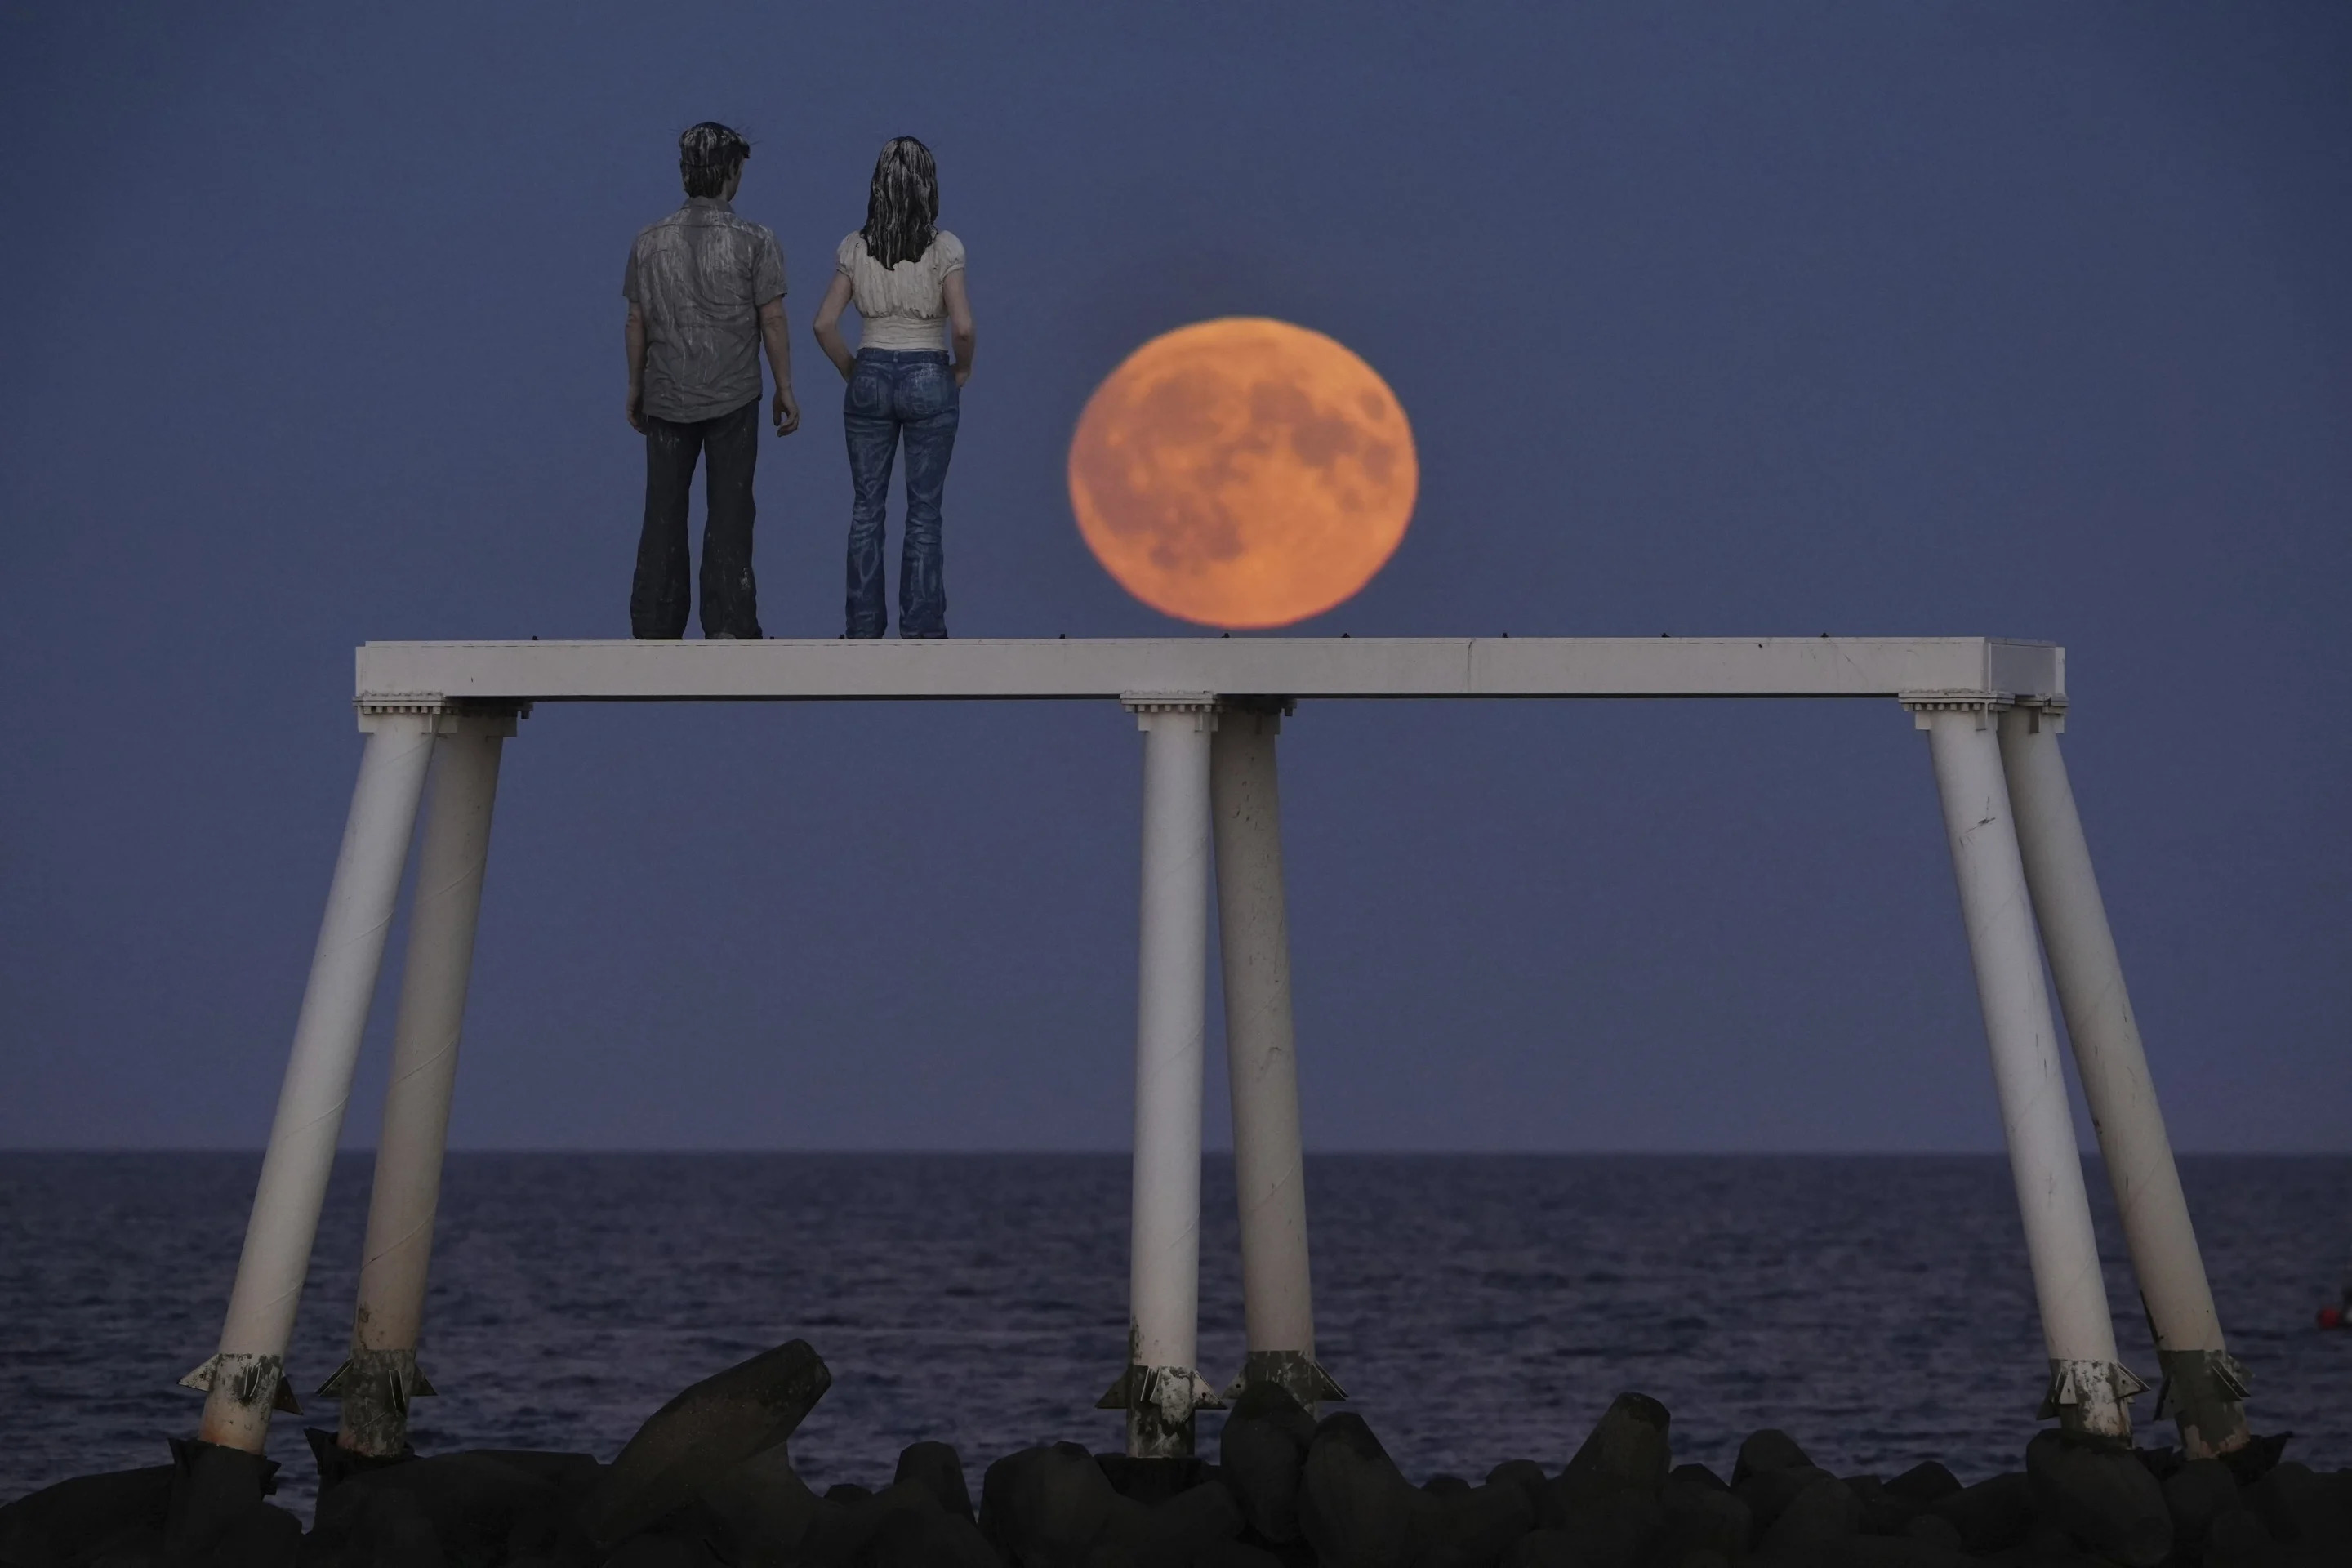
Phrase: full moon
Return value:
(1243, 473)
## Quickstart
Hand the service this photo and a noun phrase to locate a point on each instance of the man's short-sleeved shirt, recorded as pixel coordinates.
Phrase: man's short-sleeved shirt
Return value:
(698, 277)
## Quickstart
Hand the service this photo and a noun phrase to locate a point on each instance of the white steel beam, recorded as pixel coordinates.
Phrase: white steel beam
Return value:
(781, 670)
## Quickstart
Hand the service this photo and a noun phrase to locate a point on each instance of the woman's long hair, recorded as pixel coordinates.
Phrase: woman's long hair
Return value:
(902, 209)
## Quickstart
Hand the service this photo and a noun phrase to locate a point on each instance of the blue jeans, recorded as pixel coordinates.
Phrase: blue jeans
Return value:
(894, 393)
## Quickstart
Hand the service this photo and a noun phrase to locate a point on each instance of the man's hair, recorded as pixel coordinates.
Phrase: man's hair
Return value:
(902, 209)
(708, 154)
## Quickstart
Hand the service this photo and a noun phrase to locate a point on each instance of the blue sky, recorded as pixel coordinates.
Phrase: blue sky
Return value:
(1915, 319)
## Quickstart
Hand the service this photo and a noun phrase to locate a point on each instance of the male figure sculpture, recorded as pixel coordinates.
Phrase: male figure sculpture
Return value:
(706, 292)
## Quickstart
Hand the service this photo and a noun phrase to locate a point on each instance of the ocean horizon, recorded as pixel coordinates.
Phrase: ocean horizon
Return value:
(1476, 1307)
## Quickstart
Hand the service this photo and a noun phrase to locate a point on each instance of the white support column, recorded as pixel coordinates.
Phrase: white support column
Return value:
(2088, 1387)
(247, 1378)
(1160, 1386)
(1269, 1171)
(2204, 1386)
(377, 1382)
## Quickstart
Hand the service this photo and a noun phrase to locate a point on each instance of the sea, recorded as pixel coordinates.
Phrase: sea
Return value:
(1475, 1308)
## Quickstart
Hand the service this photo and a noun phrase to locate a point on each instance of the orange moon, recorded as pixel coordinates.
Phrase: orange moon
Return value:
(1243, 473)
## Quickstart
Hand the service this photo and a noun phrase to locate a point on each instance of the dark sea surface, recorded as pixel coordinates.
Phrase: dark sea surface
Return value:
(1477, 1307)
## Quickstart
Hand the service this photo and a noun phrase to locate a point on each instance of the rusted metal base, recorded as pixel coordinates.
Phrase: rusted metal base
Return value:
(2205, 1391)
(2091, 1396)
(240, 1391)
(375, 1387)
(1159, 1402)
(1296, 1373)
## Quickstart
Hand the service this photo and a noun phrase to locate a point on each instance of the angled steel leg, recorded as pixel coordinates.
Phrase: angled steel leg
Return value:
(1269, 1170)
(377, 1382)
(2204, 1387)
(2088, 1387)
(246, 1379)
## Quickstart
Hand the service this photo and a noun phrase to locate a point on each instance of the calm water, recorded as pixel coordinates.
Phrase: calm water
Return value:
(1477, 1307)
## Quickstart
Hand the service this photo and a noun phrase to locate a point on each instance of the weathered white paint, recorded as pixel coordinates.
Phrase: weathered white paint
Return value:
(1253, 923)
(1171, 1033)
(1286, 666)
(2085, 1393)
(318, 1084)
(442, 920)
(2111, 1063)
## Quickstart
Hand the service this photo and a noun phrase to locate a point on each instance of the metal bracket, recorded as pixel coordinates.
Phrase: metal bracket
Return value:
(2080, 1385)
(445, 715)
(1159, 1402)
(375, 1386)
(1983, 704)
(2191, 1377)
(1295, 1373)
(249, 1377)
(2043, 713)
(1202, 705)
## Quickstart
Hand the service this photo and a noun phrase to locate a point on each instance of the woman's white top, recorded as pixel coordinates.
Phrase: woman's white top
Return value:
(905, 306)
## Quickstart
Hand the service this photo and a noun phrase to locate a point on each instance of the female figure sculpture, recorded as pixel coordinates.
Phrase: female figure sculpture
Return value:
(905, 274)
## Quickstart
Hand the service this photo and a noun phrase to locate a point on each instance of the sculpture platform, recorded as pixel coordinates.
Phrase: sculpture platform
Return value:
(390, 673)
(1209, 709)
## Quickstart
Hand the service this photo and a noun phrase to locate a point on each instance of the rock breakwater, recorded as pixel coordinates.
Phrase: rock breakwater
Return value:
(707, 1482)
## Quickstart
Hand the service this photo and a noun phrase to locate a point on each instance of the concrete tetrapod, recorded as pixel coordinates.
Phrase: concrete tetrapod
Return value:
(703, 1434)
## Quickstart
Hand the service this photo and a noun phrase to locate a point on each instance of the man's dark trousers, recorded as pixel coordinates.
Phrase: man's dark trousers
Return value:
(729, 448)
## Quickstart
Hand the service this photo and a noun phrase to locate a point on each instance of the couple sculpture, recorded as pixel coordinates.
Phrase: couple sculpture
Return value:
(705, 293)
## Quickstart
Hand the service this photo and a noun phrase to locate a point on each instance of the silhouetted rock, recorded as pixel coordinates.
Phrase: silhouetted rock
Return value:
(1935, 1530)
(1701, 1514)
(1923, 1485)
(1607, 1497)
(1152, 1481)
(1627, 1447)
(1354, 1508)
(704, 1433)
(1768, 1492)
(1892, 1552)
(932, 1538)
(1262, 1453)
(765, 1508)
(89, 1517)
(938, 1470)
(1544, 1548)
(1883, 1512)
(1199, 1515)
(214, 1490)
(2304, 1508)
(1525, 1474)
(2095, 1490)
(651, 1550)
(1769, 1449)
(1818, 1518)
(1476, 1525)
(1993, 1515)
(1042, 1508)
(1237, 1554)
(2237, 1539)
(840, 1535)
(475, 1507)
(2196, 1494)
